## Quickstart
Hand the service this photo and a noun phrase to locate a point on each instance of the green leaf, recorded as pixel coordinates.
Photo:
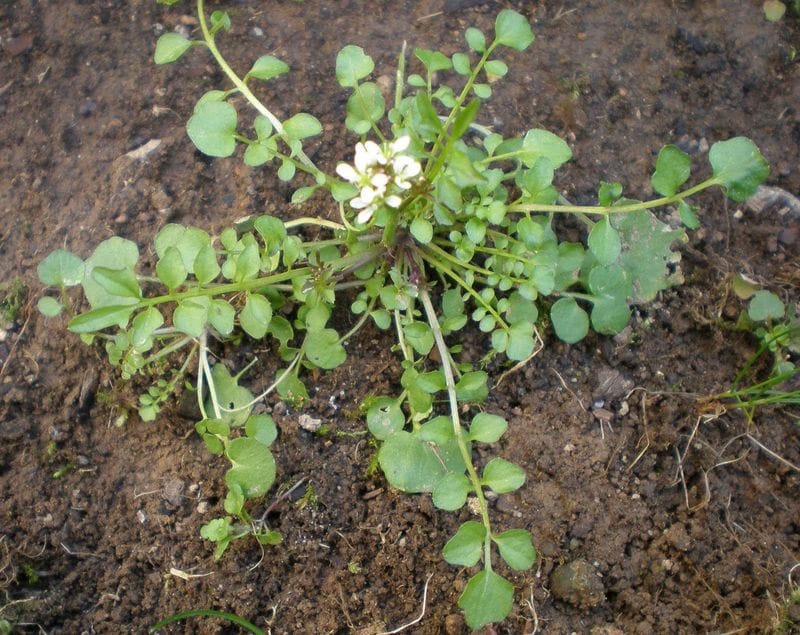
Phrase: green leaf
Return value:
(248, 263)
(101, 318)
(191, 315)
(365, 107)
(170, 47)
(496, 68)
(604, 242)
(487, 428)
(253, 467)
(487, 598)
(673, 167)
(302, 194)
(267, 66)
(465, 548)
(774, 10)
(118, 282)
(570, 322)
(688, 215)
(516, 548)
(205, 265)
(261, 428)
(256, 315)
(451, 491)
(609, 193)
(647, 253)
(738, 166)
(61, 268)
(765, 306)
(475, 39)
(482, 91)
(323, 349)
(230, 395)
(503, 476)
(461, 63)
(384, 418)
(511, 29)
(409, 463)
(212, 128)
(142, 328)
(472, 386)
(221, 316)
(433, 60)
(541, 143)
(170, 269)
(352, 64)
(287, 170)
(420, 336)
(302, 125)
(49, 307)
(234, 501)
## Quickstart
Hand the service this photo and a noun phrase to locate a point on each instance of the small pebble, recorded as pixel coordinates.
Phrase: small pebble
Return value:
(309, 423)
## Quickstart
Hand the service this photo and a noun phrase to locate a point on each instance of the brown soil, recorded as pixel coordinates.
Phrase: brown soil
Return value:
(90, 550)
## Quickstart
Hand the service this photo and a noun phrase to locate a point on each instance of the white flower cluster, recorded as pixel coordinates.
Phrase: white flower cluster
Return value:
(382, 174)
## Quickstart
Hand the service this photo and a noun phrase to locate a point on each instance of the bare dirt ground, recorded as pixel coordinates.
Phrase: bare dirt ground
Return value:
(94, 516)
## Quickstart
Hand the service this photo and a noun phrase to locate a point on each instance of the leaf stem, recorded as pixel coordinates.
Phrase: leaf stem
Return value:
(246, 92)
(458, 431)
(615, 209)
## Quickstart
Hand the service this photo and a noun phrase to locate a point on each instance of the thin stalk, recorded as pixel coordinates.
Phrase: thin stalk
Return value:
(458, 431)
(443, 268)
(364, 317)
(321, 222)
(614, 209)
(241, 85)
(167, 350)
(443, 135)
(205, 368)
(269, 389)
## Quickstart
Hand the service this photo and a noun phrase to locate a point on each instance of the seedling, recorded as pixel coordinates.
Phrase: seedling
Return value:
(444, 227)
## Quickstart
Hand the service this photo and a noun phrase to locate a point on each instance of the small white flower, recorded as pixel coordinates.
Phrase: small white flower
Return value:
(405, 168)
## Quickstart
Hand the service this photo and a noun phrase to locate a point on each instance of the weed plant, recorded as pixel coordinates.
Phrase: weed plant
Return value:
(443, 224)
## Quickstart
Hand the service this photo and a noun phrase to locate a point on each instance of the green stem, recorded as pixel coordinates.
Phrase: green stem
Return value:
(246, 92)
(615, 209)
(439, 265)
(321, 222)
(439, 144)
(364, 317)
(458, 431)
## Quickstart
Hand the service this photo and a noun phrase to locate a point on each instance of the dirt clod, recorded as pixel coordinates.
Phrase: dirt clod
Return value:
(577, 583)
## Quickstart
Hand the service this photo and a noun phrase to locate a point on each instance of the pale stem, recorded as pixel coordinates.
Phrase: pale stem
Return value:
(458, 431)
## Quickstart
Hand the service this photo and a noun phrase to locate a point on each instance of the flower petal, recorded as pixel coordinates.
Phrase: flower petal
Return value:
(347, 172)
